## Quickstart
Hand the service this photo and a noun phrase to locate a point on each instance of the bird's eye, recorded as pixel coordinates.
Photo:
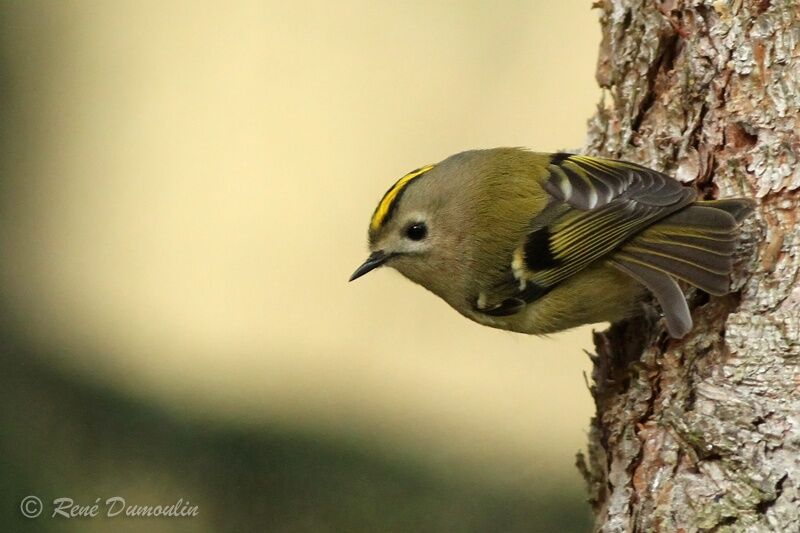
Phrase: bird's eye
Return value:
(417, 231)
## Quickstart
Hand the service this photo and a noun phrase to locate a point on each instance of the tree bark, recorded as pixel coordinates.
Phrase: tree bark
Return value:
(703, 433)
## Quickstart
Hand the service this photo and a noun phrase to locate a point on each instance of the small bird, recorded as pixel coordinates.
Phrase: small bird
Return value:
(538, 243)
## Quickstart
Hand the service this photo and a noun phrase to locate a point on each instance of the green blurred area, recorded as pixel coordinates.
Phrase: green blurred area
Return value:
(63, 437)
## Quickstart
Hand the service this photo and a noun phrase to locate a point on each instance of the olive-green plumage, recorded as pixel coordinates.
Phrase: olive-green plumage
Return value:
(538, 243)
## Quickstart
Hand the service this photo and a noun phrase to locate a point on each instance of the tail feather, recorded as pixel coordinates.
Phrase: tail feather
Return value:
(718, 262)
(738, 208)
(666, 291)
(702, 219)
(695, 245)
(712, 282)
(725, 245)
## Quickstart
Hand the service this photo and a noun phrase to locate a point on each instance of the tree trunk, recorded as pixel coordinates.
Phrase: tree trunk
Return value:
(703, 433)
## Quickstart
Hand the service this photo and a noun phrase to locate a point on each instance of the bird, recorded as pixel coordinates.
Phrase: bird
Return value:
(537, 243)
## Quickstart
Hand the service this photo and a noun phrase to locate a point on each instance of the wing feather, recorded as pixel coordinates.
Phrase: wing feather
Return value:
(590, 182)
(606, 204)
(611, 202)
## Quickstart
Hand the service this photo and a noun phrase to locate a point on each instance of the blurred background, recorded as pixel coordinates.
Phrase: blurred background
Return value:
(185, 190)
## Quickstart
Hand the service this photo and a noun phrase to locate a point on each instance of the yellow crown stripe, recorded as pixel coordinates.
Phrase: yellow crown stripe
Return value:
(388, 200)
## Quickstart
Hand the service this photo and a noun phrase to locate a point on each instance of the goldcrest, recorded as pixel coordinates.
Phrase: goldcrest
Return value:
(538, 243)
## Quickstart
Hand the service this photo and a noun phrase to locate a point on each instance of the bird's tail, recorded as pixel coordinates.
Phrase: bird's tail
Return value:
(695, 245)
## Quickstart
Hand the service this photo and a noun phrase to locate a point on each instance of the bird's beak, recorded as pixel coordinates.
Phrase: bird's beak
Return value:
(374, 260)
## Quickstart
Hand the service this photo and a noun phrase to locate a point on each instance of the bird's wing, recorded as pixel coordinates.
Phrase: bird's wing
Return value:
(599, 204)
(611, 202)
(587, 183)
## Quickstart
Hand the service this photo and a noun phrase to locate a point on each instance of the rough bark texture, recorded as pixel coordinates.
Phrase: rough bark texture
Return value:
(703, 434)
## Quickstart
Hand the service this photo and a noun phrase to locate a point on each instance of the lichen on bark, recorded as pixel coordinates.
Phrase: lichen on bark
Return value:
(703, 433)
